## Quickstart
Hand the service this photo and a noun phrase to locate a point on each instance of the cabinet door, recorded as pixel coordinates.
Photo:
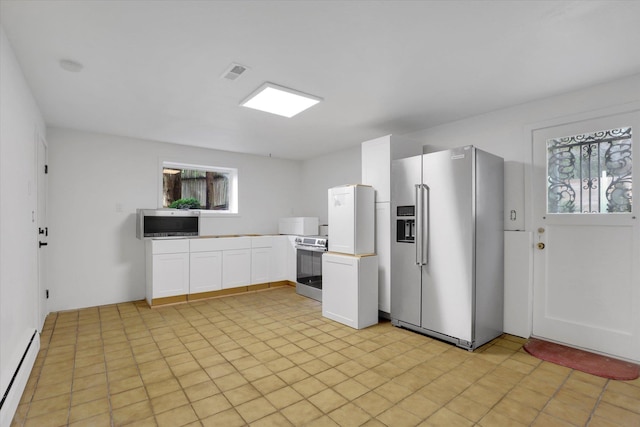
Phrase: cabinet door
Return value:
(376, 166)
(206, 272)
(342, 219)
(260, 265)
(279, 259)
(170, 275)
(383, 246)
(350, 289)
(236, 268)
(292, 259)
(340, 288)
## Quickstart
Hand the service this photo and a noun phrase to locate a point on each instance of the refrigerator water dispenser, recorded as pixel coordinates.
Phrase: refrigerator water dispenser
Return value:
(406, 226)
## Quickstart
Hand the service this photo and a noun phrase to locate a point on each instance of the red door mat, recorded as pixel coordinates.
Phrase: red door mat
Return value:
(581, 360)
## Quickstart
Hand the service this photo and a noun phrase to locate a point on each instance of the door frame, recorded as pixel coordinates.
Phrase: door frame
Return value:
(41, 219)
(529, 182)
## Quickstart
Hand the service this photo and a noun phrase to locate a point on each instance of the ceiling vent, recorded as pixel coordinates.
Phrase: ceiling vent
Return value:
(234, 72)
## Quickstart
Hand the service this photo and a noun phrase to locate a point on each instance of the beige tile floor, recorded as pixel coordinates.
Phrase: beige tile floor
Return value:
(270, 359)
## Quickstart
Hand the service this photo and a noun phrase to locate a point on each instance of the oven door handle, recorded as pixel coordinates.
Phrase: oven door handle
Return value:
(310, 248)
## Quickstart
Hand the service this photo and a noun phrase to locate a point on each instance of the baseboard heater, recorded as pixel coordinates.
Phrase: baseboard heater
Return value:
(15, 374)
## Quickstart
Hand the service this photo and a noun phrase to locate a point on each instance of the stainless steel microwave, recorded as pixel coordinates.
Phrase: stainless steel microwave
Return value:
(152, 223)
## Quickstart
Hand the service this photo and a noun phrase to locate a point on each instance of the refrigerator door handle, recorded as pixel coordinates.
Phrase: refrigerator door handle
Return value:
(418, 231)
(424, 237)
(422, 224)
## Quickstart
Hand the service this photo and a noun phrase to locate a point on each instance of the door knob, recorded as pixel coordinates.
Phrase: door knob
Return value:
(540, 246)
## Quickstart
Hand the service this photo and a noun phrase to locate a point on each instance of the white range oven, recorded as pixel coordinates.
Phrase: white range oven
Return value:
(309, 250)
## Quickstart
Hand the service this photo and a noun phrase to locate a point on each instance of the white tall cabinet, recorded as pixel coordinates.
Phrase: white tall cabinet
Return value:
(518, 283)
(377, 155)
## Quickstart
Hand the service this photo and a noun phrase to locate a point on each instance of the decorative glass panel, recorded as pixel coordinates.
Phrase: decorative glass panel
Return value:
(590, 173)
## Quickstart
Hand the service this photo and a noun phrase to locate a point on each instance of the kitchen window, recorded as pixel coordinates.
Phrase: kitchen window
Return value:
(209, 188)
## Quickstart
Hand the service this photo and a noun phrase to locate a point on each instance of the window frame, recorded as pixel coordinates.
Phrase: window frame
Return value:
(233, 185)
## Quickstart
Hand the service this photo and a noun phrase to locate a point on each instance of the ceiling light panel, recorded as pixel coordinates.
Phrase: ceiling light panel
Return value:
(280, 100)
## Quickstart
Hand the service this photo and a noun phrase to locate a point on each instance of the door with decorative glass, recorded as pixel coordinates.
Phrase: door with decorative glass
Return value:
(587, 235)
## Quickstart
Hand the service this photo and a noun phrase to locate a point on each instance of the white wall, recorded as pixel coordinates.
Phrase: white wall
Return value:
(502, 132)
(321, 173)
(95, 257)
(20, 120)
(507, 133)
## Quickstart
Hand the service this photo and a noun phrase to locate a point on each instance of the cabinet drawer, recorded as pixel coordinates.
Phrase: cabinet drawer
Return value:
(170, 246)
(262, 242)
(231, 243)
(205, 245)
(220, 244)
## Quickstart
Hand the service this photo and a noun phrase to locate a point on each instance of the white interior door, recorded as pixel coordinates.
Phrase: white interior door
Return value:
(587, 237)
(43, 230)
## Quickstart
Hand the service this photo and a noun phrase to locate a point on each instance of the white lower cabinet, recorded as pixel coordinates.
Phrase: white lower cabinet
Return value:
(350, 289)
(205, 272)
(167, 268)
(236, 268)
(179, 267)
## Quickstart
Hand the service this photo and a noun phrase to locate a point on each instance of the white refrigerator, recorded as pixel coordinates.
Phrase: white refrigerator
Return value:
(350, 267)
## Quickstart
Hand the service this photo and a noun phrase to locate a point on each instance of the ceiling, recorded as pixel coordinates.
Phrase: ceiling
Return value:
(152, 68)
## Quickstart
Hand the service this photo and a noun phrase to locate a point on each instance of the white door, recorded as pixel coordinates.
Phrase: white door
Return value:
(43, 230)
(587, 237)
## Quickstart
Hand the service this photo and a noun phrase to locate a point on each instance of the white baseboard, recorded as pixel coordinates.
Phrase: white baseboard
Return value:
(14, 395)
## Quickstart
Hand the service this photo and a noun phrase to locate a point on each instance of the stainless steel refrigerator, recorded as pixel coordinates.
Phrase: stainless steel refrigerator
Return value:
(447, 245)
